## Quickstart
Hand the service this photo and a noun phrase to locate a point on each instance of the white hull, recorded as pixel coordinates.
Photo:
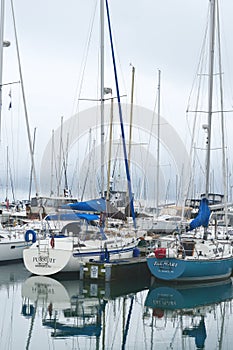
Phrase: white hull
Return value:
(67, 254)
(12, 249)
(163, 224)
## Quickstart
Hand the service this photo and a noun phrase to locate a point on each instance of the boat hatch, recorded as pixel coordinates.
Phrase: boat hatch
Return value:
(188, 248)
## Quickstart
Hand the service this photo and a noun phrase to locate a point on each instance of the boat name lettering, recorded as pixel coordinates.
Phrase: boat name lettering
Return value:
(165, 264)
(42, 260)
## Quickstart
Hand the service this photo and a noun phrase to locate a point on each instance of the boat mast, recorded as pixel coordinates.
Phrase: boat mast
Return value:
(7, 173)
(121, 118)
(224, 161)
(110, 154)
(102, 92)
(210, 92)
(210, 98)
(158, 147)
(24, 104)
(131, 115)
(31, 171)
(60, 159)
(1, 57)
(130, 130)
(52, 165)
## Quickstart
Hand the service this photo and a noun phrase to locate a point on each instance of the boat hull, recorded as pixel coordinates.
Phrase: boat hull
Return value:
(42, 259)
(12, 250)
(173, 269)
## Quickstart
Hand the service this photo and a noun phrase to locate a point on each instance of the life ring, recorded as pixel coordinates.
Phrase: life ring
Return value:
(28, 235)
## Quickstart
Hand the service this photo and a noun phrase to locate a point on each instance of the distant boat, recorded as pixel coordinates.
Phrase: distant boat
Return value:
(45, 205)
(195, 260)
(12, 244)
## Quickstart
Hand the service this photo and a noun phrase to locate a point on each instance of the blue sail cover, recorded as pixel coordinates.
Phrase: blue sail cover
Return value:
(94, 205)
(72, 216)
(202, 218)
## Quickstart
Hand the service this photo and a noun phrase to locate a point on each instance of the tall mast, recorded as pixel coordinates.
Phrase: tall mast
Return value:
(224, 160)
(110, 152)
(121, 118)
(210, 98)
(31, 171)
(131, 115)
(158, 147)
(130, 130)
(102, 92)
(210, 91)
(1, 57)
(24, 104)
(60, 159)
(7, 172)
(52, 165)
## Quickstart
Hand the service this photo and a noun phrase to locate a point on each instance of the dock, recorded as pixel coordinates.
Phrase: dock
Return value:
(113, 270)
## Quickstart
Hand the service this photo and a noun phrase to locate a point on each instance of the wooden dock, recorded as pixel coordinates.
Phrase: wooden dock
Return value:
(114, 270)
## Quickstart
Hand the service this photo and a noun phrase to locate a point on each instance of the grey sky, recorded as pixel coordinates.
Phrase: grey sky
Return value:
(150, 34)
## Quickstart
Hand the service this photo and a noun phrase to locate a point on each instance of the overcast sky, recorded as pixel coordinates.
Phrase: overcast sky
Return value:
(150, 34)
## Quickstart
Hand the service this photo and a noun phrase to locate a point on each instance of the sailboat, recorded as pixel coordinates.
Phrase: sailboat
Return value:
(183, 259)
(12, 239)
(65, 253)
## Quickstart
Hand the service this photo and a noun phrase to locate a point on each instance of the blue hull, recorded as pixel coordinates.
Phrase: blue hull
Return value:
(172, 269)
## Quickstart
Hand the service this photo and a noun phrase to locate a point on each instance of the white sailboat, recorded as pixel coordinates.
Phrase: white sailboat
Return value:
(12, 239)
(65, 253)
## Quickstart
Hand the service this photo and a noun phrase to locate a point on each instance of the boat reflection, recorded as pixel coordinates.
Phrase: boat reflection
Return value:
(171, 302)
(72, 308)
(64, 306)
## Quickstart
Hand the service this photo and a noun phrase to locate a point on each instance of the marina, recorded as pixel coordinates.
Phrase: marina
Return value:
(125, 240)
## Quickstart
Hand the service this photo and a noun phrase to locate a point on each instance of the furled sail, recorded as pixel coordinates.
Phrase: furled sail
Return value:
(72, 216)
(202, 218)
(96, 205)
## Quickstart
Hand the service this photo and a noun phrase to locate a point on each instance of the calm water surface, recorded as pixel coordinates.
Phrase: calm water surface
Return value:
(66, 313)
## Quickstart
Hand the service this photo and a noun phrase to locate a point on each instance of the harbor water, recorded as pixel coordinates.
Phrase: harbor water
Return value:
(134, 312)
